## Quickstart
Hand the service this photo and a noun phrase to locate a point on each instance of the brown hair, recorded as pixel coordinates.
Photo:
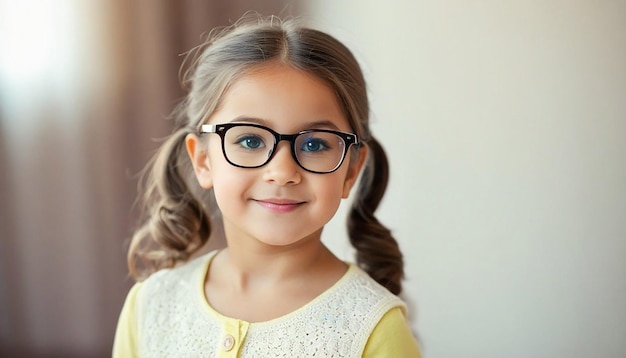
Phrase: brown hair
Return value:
(177, 221)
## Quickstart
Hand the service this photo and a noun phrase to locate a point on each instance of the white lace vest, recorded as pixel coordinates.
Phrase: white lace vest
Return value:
(174, 319)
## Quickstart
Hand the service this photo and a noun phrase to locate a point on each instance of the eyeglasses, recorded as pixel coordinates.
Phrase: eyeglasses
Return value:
(246, 145)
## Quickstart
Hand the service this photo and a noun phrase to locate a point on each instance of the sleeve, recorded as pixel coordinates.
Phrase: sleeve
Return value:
(392, 337)
(125, 343)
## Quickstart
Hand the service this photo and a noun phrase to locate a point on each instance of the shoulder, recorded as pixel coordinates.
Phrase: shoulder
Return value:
(357, 303)
(185, 275)
(168, 289)
(392, 337)
(365, 291)
(125, 342)
(170, 308)
(390, 334)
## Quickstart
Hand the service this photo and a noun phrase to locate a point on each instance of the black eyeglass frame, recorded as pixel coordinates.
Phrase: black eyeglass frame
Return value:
(349, 139)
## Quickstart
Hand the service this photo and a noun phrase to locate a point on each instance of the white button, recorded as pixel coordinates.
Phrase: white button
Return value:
(228, 343)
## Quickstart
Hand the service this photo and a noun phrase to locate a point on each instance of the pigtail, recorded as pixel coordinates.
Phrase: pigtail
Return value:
(378, 252)
(176, 223)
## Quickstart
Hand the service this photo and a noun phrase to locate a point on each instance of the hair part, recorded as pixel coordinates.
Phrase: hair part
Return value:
(179, 215)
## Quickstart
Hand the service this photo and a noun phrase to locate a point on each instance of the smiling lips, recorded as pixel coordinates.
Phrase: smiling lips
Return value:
(280, 205)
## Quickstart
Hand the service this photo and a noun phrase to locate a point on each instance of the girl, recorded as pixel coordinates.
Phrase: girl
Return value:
(272, 135)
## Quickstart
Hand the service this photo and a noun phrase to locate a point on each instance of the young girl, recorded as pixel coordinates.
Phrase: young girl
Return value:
(272, 135)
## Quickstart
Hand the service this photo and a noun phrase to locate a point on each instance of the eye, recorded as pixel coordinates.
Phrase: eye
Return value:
(250, 142)
(312, 144)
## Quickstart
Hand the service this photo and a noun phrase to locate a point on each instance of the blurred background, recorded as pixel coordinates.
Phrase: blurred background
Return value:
(505, 123)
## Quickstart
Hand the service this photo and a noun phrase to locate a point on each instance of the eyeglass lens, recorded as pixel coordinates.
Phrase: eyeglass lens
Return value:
(317, 151)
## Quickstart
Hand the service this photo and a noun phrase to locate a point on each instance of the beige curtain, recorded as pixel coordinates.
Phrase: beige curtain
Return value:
(84, 89)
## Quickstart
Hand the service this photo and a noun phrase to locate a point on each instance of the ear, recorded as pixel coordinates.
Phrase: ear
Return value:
(200, 160)
(354, 169)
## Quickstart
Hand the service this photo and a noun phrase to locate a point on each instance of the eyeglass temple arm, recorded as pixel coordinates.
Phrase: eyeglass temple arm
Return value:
(208, 128)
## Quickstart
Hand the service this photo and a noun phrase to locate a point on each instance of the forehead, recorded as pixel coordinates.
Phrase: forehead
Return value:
(285, 98)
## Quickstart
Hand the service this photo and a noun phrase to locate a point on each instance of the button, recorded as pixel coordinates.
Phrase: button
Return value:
(228, 343)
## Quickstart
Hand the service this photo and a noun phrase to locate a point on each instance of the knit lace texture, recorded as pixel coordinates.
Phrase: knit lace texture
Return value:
(174, 319)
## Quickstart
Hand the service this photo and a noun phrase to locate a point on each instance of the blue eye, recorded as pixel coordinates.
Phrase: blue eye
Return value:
(314, 145)
(251, 142)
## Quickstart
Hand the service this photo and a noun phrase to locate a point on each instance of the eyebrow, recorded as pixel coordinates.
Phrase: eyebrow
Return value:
(321, 124)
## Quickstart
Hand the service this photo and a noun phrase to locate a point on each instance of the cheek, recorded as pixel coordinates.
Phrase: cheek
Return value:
(330, 192)
(230, 192)
(228, 181)
(328, 205)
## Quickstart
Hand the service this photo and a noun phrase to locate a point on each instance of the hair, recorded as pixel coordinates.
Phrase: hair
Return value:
(178, 215)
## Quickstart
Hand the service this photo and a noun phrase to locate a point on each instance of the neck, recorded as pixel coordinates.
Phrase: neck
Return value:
(252, 263)
(254, 281)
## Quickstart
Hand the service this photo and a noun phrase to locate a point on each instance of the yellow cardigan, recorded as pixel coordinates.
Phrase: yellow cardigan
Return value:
(391, 336)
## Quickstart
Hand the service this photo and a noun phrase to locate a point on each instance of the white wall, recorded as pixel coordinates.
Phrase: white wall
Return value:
(505, 122)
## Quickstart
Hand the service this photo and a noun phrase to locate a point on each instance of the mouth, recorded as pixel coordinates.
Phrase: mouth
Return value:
(279, 205)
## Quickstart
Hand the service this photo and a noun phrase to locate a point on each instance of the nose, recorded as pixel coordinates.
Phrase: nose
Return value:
(282, 169)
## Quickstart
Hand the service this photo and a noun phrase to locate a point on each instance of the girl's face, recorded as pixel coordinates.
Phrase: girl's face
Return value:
(278, 204)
